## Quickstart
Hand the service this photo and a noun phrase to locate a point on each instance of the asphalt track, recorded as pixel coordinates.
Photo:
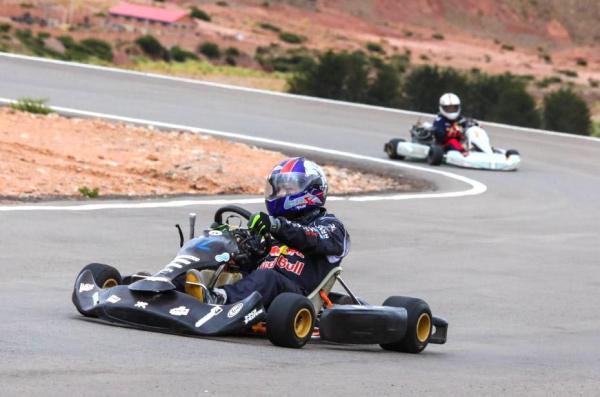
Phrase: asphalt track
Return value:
(515, 269)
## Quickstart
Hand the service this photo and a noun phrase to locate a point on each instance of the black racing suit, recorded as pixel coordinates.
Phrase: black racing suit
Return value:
(304, 251)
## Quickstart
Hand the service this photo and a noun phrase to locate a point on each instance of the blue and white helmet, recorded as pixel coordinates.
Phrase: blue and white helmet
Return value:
(295, 186)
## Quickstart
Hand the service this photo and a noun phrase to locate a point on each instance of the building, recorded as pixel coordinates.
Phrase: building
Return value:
(147, 15)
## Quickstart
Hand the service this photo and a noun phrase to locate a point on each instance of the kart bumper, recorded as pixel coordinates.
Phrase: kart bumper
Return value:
(412, 150)
(484, 161)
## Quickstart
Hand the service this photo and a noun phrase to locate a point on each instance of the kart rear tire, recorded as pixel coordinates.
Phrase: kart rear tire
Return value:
(105, 276)
(435, 155)
(391, 149)
(290, 320)
(418, 328)
(511, 152)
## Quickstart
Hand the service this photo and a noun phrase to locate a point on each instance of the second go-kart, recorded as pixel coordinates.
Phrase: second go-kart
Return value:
(480, 153)
(168, 301)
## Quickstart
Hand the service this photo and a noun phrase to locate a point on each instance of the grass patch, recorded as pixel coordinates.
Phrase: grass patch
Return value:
(31, 105)
(89, 193)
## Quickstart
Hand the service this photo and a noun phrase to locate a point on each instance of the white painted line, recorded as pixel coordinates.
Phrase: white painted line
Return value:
(108, 69)
(475, 186)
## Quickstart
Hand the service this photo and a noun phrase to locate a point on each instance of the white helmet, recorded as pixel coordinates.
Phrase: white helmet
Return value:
(450, 106)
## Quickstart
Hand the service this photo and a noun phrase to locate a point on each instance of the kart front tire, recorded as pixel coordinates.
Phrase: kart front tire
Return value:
(435, 155)
(511, 152)
(391, 149)
(290, 320)
(105, 276)
(419, 325)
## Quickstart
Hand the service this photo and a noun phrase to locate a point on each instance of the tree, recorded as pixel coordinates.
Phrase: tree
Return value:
(334, 75)
(566, 111)
(385, 89)
(425, 84)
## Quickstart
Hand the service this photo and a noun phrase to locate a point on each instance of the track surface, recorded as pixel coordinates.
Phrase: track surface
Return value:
(515, 270)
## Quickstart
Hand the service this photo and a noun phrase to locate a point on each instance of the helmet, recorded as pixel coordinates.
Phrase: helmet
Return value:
(450, 106)
(295, 185)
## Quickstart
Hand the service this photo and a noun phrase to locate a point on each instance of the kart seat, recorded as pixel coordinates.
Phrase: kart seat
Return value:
(326, 285)
(193, 277)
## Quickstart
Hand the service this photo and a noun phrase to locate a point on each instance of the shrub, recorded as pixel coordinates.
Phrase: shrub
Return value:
(566, 111)
(437, 36)
(197, 13)
(151, 46)
(594, 83)
(222, 3)
(268, 26)
(546, 57)
(508, 47)
(385, 89)
(292, 38)
(30, 105)
(98, 48)
(210, 50)
(178, 54)
(89, 193)
(547, 81)
(568, 73)
(232, 52)
(273, 57)
(581, 62)
(374, 47)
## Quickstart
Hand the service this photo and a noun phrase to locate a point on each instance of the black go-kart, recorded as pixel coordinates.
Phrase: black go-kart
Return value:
(167, 300)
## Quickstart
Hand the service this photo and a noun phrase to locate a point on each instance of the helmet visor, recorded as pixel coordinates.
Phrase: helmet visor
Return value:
(451, 108)
(281, 185)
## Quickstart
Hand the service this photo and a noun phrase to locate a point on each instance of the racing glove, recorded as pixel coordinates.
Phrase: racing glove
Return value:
(261, 223)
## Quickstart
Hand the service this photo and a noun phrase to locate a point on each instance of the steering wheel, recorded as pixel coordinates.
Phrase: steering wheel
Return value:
(244, 213)
(251, 242)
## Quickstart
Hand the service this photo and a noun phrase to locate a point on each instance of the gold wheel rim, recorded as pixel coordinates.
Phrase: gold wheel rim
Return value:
(303, 323)
(423, 327)
(111, 282)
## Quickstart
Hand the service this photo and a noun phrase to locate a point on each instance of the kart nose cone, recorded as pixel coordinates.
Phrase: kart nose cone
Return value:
(152, 284)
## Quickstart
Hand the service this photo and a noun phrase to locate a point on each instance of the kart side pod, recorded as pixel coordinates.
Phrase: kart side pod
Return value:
(363, 324)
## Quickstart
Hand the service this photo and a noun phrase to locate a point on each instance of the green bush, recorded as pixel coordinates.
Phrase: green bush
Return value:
(232, 52)
(197, 13)
(151, 46)
(547, 81)
(209, 50)
(374, 47)
(276, 58)
(594, 83)
(89, 193)
(98, 48)
(568, 73)
(508, 47)
(5, 27)
(30, 105)
(437, 36)
(566, 111)
(178, 54)
(581, 62)
(268, 26)
(292, 38)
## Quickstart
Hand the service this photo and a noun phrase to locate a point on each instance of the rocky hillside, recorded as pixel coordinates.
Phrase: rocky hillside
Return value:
(522, 22)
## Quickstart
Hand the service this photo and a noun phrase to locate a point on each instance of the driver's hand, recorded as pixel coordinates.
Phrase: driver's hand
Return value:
(260, 223)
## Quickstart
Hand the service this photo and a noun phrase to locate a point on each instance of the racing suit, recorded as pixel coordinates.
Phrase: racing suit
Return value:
(450, 133)
(303, 252)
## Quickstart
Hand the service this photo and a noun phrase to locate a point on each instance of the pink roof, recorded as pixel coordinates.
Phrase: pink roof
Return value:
(147, 12)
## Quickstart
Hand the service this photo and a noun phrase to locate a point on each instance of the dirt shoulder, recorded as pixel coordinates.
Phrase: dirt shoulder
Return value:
(50, 157)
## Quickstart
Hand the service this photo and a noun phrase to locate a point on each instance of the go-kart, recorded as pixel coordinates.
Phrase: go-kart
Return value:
(168, 300)
(480, 154)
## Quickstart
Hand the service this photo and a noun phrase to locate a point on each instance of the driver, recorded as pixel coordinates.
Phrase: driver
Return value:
(449, 125)
(307, 241)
